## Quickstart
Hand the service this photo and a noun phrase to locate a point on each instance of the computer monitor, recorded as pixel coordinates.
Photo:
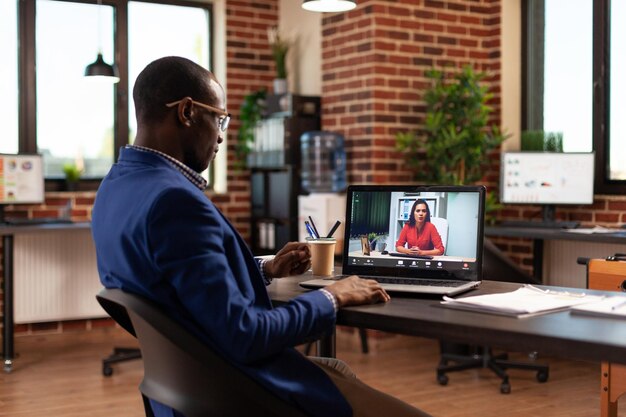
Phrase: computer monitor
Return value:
(21, 180)
(547, 179)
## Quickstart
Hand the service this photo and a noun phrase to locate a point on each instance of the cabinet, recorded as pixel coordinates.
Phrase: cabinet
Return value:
(275, 170)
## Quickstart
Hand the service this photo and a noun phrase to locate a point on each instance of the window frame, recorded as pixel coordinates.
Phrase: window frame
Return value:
(532, 51)
(27, 123)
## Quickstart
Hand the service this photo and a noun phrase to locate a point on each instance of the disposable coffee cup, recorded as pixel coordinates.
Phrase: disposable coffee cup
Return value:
(322, 255)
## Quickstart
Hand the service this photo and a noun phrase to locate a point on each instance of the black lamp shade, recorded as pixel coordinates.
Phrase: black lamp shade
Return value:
(328, 5)
(99, 68)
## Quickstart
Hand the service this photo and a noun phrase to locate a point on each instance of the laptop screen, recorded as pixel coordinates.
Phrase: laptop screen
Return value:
(414, 231)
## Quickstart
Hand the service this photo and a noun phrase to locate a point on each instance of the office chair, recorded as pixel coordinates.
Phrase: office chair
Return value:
(497, 267)
(120, 354)
(182, 372)
(442, 227)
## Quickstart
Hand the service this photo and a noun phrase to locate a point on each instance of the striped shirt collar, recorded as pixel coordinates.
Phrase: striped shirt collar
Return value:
(195, 178)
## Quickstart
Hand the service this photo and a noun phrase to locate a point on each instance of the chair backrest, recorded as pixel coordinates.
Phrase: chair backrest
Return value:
(442, 227)
(182, 372)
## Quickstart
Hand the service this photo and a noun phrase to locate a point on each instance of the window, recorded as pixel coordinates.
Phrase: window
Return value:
(8, 77)
(185, 35)
(617, 93)
(567, 95)
(568, 45)
(75, 116)
(67, 118)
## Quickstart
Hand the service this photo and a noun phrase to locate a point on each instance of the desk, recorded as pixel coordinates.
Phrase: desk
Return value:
(539, 235)
(559, 334)
(7, 233)
(378, 255)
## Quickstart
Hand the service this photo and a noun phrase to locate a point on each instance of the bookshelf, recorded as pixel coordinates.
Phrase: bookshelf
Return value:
(275, 170)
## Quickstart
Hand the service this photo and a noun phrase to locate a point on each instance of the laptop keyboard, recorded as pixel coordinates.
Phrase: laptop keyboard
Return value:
(421, 281)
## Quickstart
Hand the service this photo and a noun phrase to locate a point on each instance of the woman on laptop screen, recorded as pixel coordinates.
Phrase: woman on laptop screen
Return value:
(419, 236)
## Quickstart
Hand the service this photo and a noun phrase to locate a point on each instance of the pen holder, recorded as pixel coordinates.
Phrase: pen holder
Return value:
(322, 255)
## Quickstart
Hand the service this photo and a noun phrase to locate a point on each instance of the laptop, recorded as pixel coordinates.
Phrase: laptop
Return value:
(376, 216)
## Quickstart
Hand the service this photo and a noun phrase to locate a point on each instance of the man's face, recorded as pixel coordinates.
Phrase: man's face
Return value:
(207, 134)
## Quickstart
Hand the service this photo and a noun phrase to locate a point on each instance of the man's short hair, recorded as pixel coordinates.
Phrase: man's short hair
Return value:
(166, 80)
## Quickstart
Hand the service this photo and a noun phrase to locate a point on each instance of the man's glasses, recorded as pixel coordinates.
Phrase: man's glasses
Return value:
(224, 120)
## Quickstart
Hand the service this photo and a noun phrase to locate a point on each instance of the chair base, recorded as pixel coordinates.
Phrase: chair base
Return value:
(119, 355)
(484, 358)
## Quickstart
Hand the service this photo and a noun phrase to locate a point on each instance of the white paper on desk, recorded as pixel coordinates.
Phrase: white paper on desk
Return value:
(608, 307)
(593, 230)
(523, 302)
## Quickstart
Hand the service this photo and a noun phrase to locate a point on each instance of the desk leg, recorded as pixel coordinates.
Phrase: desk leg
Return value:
(326, 346)
(7, 302)
(538, 260)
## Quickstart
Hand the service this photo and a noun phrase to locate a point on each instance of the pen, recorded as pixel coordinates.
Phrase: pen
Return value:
(309, 229)
(336, 225)
(317, 234)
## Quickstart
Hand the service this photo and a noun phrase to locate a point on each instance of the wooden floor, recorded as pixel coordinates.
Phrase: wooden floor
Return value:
(60, 375)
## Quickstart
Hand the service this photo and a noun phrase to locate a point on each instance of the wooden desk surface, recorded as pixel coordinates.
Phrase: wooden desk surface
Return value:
(559, 334)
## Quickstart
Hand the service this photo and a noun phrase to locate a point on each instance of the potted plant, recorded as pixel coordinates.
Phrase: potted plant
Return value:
(250, 114)
(538, 140)
(280, 47)
(453, 146)
(72, 175)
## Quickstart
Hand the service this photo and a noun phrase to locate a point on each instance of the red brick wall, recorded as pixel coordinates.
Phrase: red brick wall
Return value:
(373, 63)
(249, 68)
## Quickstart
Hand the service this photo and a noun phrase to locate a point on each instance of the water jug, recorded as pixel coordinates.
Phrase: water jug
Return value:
(323, 162)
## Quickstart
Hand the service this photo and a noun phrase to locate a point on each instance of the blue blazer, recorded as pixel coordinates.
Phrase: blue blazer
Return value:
(159, 236)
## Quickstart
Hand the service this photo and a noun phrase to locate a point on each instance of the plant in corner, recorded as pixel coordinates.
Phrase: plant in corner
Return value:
(280, 48)
(454, 143)
(250, 114)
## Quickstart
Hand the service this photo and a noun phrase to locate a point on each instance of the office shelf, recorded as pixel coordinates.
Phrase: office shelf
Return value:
(275, 170)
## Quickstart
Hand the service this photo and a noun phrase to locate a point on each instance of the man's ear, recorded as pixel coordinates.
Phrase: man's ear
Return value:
(185, 111)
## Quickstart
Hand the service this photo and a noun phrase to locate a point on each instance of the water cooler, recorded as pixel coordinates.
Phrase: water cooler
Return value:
(324, 177)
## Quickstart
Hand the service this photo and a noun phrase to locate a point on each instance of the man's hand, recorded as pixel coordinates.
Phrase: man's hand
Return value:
(293, 259)
(356, 291)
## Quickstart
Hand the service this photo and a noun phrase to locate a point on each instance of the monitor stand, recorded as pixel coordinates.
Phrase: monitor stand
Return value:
(548, 214)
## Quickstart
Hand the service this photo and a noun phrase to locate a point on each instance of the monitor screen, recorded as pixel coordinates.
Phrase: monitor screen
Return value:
(21, 179)
(547, 178)
(382, 221)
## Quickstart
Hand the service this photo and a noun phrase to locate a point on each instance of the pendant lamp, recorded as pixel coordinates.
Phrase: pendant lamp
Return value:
(328, 5)
(100, 70)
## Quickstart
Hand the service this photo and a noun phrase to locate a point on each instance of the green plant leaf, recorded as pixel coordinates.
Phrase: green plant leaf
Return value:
(453, 144)
(251, 112)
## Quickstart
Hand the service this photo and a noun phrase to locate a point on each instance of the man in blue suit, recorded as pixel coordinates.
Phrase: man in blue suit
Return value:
(158, 235)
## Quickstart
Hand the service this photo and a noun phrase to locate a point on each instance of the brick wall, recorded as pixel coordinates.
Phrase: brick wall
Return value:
(374, 63)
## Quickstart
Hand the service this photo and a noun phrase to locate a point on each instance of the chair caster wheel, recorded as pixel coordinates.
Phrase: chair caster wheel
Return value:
(107, 371)
(505, 388)
(442, 379)
(542, 376)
